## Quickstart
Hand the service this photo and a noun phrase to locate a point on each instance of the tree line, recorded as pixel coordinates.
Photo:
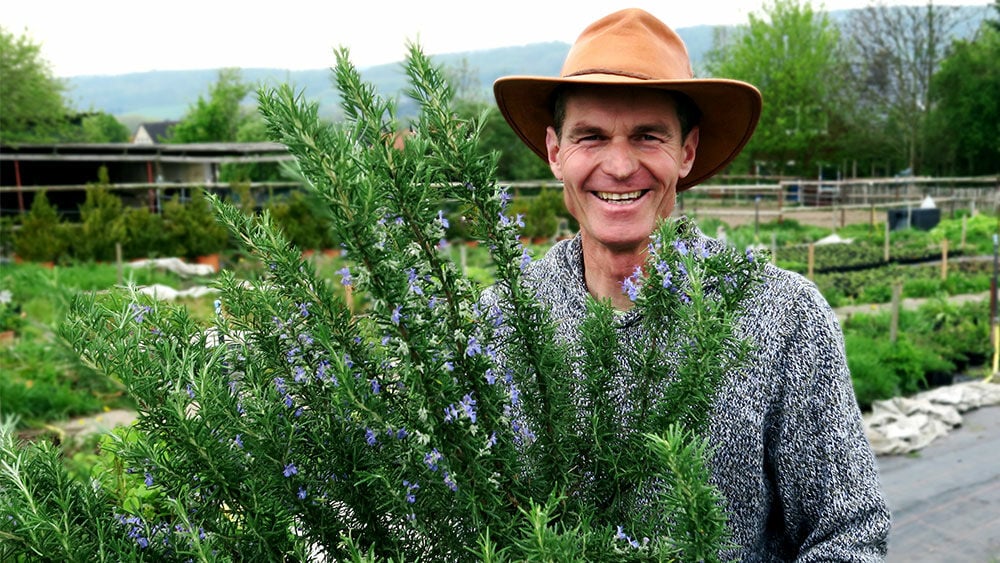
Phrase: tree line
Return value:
(886, 91)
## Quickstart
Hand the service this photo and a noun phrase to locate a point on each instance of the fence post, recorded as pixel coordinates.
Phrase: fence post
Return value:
(886, 247)
(944, 259)
(812, 259)
(118, 263)
(897, 293)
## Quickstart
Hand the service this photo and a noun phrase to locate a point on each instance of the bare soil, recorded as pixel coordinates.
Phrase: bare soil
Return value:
(826, 217)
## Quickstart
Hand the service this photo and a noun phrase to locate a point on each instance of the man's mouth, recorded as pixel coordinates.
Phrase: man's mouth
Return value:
(619, 198)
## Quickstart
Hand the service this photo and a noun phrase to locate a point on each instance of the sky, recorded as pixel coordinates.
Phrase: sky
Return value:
(107, 37)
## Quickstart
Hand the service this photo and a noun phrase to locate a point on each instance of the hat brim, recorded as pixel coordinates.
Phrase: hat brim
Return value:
(730, 112)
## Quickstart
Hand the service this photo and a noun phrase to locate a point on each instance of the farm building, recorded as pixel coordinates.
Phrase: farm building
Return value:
(139, 173)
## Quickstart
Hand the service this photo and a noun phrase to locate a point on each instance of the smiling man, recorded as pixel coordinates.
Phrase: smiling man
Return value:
(625, 127)
(619, 152)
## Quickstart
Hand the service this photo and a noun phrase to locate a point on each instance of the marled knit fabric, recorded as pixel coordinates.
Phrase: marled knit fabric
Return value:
(791, 458)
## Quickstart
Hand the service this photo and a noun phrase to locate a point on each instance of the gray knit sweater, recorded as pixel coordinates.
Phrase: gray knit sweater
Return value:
(791, 458)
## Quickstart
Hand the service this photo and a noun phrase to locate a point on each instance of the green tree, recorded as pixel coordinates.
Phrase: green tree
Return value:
(40, 238)
(32, 103)
(103, 127)
(791, 53)
(895, 52)
(218, 118)
(100, 228)
(965, 125)
(517, 161)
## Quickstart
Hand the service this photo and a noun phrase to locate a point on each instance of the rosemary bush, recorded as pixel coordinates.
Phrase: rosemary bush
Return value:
(431, 424)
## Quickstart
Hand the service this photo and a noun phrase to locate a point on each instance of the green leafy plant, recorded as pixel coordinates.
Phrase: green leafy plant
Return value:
(143, 233)
(437, 421)
(39, 238)
(11, 316)
(297, 217)
(99, 229)
(191, 226)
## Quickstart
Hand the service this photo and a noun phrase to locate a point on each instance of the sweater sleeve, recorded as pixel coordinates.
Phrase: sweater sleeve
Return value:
(825, 471)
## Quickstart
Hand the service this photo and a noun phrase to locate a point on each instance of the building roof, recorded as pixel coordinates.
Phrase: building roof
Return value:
(162, 152)
(156, 129)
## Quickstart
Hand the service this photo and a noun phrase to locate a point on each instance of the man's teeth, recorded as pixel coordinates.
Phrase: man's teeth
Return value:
(625, 198)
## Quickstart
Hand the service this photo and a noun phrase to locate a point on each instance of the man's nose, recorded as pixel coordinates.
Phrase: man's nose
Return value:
(619, 160)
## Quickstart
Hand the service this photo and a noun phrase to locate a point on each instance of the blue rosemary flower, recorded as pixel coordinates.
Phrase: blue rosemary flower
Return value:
(139, 312)
(667, 276)
(370, 437)
(412, 274)
(631, 285)
(396, 315)
(473, 347)
(290, 470)
(525, 258)
(442, 219)
(468, 405)
(450, 482)
(345, 276)
(410, 489)
(431, 459)
(302, 493)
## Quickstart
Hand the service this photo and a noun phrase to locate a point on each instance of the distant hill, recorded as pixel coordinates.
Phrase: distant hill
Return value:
(162, 95)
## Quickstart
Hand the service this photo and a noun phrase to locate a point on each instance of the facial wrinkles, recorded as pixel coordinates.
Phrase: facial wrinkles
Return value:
(635, 140)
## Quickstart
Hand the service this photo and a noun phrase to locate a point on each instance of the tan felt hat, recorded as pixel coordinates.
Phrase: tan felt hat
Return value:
(633, 48)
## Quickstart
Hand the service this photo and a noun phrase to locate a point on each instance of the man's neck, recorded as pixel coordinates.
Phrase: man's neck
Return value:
(604, 270)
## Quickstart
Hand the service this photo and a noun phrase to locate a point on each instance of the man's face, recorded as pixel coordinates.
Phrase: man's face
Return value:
(619, 157)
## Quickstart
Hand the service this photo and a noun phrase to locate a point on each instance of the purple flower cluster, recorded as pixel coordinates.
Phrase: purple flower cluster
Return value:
(136, 529)
(139, 312)
(622, 536)
(632, 284)
(432, 458)
(345, 276)
(411, 489)
(468, 408)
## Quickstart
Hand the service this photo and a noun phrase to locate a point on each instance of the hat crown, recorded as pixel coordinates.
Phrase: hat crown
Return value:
(631, 43)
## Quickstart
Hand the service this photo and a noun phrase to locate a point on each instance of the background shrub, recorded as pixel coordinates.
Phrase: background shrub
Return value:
(39, 238)
(100, 227)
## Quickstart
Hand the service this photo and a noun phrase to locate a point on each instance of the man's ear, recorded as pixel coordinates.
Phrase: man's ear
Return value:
(689, 149)
(552, 150)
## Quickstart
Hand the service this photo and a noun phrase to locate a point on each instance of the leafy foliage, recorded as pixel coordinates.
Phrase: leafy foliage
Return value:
(100, 227)
(789, 52)
(39, 239)
(966, 116)
(32, 107)
(217, 118)
(435, 423)
(192, 228)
